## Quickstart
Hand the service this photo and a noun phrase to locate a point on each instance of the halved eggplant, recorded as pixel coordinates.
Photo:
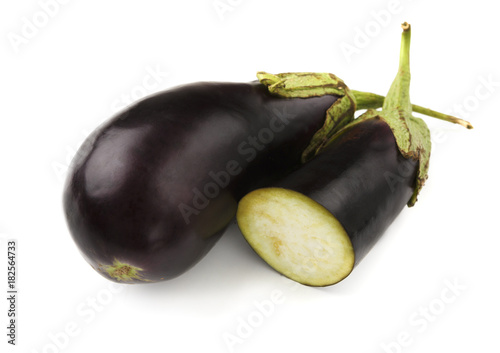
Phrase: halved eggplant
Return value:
(317, 223)
(322, 219)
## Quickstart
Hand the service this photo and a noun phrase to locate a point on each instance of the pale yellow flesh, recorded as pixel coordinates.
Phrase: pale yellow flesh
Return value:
(296, 236)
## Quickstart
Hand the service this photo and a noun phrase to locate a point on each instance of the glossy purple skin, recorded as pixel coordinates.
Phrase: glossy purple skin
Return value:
(362, 179)
(134, 178)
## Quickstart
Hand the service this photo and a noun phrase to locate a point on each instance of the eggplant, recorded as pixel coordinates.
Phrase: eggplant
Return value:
(152, 190)
(315, 225)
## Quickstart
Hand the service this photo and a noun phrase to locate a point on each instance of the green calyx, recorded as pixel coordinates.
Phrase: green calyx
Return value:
(123, 272)
(302, 84)
(341, 113)
(312, 84)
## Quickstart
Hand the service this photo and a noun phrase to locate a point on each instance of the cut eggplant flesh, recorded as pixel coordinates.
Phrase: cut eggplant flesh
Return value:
(296, 236)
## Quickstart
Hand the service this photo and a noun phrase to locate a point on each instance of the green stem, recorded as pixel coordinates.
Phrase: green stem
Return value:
(367, 100)
(438, 115)
(404, 53)
(398, 97)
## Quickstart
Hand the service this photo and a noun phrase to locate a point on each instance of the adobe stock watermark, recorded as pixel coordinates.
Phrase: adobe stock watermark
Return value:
(247, 151)
(248, 324)
(222, 7)
(363, 35)
(32, 25)
(424, 316)
(150, 83)
(9, 248)
(404, 171)
(483, 91)
(61, 169)
(86, 313)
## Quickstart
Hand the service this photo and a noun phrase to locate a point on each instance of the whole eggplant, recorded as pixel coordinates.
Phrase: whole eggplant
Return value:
(153, 189)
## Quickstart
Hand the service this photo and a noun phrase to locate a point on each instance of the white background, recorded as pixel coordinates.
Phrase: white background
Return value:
(61, 78)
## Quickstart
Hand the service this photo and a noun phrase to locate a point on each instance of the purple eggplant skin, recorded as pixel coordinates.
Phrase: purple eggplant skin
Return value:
(154, 188)
(362, 179)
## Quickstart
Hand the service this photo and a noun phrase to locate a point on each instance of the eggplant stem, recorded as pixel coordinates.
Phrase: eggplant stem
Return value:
(404, 54)
(398, 97)
(368, 100)
(438, 115)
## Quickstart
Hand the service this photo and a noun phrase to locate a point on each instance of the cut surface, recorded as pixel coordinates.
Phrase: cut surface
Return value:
(296, 236)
